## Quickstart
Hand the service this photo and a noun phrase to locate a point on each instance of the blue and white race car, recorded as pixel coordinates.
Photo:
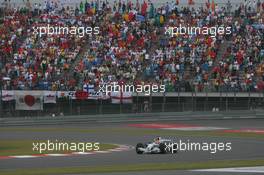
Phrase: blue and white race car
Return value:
(158, 146)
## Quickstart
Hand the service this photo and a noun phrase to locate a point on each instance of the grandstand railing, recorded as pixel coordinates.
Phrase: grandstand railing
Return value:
(169, 102)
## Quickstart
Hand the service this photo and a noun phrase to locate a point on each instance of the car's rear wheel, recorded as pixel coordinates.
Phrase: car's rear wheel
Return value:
(175, 148)
(139, 145)
(162, 148)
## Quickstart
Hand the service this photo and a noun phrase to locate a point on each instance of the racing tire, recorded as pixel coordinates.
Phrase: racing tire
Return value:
(162, 148)
(175, 148)
(139, 145)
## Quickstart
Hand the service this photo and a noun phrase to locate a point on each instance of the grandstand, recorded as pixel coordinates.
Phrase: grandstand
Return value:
(132, 47)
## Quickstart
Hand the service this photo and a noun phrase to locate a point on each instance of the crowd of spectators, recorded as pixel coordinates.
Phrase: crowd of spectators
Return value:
(33, 62)
(241, 67)
(132, 47)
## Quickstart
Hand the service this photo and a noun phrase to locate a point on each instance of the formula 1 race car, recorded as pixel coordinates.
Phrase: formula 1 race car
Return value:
(159, 146)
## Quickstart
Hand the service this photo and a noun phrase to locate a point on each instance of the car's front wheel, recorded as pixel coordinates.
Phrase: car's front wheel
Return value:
(162, 148)
(139, 145)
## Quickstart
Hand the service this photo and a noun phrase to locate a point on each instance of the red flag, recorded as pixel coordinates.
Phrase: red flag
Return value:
(144, 8)
(81, 95)
(213, 5)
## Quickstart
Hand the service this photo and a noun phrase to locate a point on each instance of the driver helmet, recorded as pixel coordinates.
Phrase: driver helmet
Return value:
(157, 140)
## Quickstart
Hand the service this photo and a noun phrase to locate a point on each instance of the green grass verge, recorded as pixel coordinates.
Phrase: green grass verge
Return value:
(25, 147)
(136, 167)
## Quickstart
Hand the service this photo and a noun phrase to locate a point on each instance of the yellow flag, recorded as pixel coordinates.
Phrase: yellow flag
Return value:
(126, 17)
(93, 11)
(161, 19)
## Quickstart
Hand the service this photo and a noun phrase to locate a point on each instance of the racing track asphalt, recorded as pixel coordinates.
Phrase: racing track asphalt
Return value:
(242, 148)
(173, 172)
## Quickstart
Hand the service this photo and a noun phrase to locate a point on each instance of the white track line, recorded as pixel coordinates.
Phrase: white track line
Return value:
(119, 148)
(259, 169)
